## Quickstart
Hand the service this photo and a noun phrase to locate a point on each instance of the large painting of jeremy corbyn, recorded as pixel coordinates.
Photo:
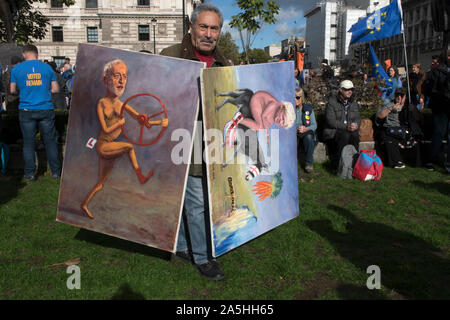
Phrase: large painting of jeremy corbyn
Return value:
(119, 177)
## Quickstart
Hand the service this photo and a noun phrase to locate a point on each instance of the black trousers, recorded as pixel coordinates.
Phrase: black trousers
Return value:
(393, 150)
(343, 138)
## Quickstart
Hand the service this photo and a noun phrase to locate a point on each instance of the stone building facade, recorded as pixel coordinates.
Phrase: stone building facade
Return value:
(136, 25)
(422, 41)
(327, 36)
(327, 25)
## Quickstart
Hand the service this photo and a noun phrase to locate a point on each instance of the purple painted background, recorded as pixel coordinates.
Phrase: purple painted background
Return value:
(149, 213)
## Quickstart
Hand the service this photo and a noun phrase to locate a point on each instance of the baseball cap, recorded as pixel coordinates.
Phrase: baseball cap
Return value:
(346, 84)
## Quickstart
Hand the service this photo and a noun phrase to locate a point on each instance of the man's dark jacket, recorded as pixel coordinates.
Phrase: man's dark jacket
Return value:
(185, 50)
(437, 86)
(335, 116)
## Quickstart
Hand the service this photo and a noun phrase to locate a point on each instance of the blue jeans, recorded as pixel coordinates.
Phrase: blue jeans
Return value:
(441, 125)
(309, 145)
(30, 121)
(194, 215)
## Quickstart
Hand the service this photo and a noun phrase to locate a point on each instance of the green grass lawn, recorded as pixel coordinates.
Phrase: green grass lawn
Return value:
(400, 223)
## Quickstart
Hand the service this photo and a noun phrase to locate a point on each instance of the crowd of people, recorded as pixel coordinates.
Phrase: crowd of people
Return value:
(397, 120)
(64, 76)
(49, 88)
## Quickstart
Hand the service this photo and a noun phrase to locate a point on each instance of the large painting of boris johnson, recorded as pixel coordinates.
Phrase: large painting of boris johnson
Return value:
(251, 150)
(119, 177)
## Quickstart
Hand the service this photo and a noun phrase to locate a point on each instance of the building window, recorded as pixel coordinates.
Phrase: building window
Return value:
(59, 60)
(143, 3)
(56, 3)
(92, 34)
(91, 4)
(424, 32)
(57, 34)
(144, 32)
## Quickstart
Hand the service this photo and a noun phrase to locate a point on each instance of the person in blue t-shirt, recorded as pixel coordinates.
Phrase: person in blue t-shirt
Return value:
(36, 82)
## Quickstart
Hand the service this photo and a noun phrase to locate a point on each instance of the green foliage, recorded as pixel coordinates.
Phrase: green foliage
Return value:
(21, 23)
(319, 91)
(256, 56)
(228, 48)
(277, 183)
(254, 13)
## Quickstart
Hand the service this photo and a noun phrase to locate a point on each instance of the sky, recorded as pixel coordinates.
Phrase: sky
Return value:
(291, 21)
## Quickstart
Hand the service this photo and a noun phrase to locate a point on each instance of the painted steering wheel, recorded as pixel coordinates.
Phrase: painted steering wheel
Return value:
(143, 120)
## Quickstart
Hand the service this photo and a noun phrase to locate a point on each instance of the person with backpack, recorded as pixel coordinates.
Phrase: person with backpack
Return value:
(437, 87)
(67, 76)
(58, 98)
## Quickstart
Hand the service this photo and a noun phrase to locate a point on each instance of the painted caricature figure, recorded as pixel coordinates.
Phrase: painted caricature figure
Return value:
(256, 111)
(108, 110)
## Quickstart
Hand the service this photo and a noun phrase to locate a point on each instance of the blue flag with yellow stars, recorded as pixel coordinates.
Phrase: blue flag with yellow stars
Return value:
(383, 23)
(378, 71)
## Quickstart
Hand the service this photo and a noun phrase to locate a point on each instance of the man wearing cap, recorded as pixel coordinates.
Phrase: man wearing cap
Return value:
(342, 119)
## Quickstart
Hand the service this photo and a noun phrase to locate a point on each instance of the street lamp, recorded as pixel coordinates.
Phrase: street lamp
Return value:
(154, 35)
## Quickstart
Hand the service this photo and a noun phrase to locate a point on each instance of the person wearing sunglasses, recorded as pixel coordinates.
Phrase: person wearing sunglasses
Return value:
(306, 129)
(342, 121)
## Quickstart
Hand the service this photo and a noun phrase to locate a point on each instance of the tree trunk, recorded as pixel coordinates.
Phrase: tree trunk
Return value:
(244, 46)
(6, 14)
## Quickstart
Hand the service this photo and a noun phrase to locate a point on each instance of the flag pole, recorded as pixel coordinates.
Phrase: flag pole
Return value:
(406, 54)
(407, 72)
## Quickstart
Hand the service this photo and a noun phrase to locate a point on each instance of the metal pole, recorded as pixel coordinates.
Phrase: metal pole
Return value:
(406, 56)
(184, 21)
(154, 35)
(406, 65)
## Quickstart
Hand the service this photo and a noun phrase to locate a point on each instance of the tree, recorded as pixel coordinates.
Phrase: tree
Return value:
(254, 14)
(20, 22)
(228, 48)
(256, 56)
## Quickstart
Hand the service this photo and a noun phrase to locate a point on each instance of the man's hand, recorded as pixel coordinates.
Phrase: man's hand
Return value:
(399, 104)
(142, 119)
(302, 129)
(352, 126)
(163, 123)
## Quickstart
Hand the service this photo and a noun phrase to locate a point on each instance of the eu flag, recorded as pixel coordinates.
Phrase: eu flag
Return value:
(378, 71)
(383, 23)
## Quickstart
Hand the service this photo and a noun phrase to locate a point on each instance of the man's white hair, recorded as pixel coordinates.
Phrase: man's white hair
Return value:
(290, 114)
(108, 67)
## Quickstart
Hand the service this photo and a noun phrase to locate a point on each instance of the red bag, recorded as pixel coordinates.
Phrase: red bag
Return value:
(368, 166)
